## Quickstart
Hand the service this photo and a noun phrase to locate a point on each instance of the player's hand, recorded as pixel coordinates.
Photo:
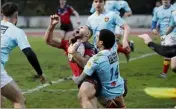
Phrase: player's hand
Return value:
(155, 32)
(42, 79)
(76, 80)
(78, 22)
(126, 45)
(54, 20)
(73, 47)
(145, 37)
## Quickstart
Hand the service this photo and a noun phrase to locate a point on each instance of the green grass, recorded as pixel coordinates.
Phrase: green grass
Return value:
(140, 73)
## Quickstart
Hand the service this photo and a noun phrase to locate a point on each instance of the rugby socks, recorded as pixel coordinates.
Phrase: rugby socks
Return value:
(166, 65)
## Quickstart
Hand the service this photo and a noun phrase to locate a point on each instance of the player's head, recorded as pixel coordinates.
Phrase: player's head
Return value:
(158, 3)
(62, 2)
(9, 11)
(99, 4)
(106, 39)
(166, 3)
(84, 33)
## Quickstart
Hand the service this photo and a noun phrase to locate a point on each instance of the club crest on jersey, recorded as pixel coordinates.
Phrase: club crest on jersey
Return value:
(106, 19)
(89, 64)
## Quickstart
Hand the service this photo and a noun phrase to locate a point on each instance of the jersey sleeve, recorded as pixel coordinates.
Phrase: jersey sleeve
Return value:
(155, 17)
(126, 7)
(118, 20)
(70, 9)
(21, 40)
(90, 67)
(64, 45)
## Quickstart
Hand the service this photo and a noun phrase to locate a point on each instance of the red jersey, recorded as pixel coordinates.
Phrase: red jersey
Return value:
(76, 69)
(65, 14)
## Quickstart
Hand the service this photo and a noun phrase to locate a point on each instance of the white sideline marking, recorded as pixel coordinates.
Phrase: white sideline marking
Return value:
(46, 84)
(70, 77)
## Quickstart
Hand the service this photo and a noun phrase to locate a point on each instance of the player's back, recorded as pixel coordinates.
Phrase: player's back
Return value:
(10, 38)
(108, 73)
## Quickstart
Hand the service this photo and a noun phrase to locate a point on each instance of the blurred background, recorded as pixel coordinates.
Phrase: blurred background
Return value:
(34, 13)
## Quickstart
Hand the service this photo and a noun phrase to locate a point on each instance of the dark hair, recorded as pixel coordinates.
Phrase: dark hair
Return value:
(9, 8)
(107, 37)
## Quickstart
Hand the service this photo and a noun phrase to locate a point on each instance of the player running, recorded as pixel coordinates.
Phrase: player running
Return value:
(78, 59)
(106, 65)
(161, 20)
(12, 36)
(111, 6)
(65, 11)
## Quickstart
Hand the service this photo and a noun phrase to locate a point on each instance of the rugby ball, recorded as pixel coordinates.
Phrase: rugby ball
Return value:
(80, 50)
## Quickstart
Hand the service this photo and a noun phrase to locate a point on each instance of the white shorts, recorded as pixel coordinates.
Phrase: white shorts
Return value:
(119, 30)
(5, 78)
(169, 40)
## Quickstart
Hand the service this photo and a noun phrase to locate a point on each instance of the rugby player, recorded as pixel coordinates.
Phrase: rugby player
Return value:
(106, 65)
(161, 20)
(65, 11)
(117, 6)
(87, 89)
(11, 37)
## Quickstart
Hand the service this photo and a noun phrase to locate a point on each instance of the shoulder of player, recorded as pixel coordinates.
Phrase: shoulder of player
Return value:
(158, 9)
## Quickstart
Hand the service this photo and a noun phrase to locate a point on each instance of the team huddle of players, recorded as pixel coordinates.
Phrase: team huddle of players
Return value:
(95, 67)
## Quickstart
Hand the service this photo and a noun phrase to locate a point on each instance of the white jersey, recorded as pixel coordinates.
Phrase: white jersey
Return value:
(11, 36)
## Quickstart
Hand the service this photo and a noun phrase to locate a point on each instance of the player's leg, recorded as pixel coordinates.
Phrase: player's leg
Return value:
(173, 64)
(86, 95)
(168, 40)
(118, 102)
(12, 92)
(2, 101)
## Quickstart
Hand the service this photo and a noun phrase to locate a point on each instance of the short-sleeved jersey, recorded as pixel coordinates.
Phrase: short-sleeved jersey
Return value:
(106, 20)
(154, 10)
(163, 16)
(11, 36)
(106, 65)
(65, 14)
(76, 69)
(173, 21)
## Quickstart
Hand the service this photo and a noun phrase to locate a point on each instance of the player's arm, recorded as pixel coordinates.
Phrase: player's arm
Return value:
(89, 69)
(24, 45)
(119, 21)
(81, 60)
(128, 11)
(76, 14)
(32, 58)
(166, 51)
(49, 39)
(171, 26)
(154, 23)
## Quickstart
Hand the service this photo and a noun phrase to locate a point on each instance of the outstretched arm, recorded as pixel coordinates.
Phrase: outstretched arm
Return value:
(49, 39)
(167, 51)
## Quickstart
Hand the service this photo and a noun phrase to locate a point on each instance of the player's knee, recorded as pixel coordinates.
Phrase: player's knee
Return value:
(86, 90)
